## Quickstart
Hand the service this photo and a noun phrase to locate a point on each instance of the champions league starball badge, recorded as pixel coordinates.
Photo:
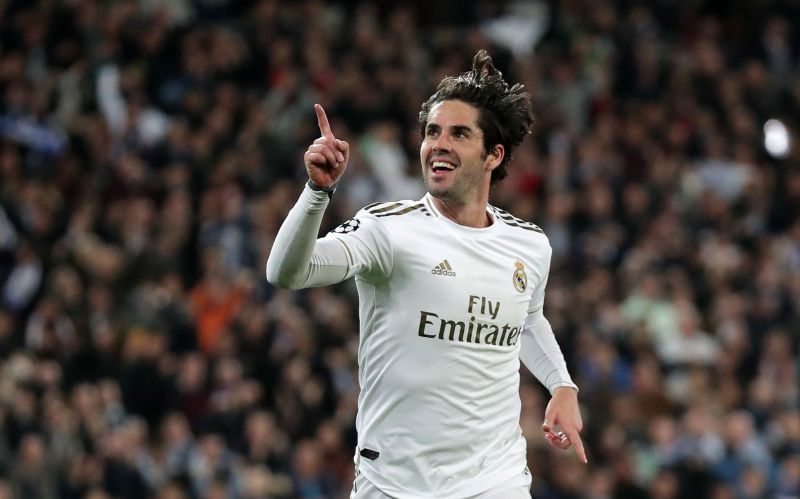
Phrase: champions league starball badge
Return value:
(520, 278)
(349, 226)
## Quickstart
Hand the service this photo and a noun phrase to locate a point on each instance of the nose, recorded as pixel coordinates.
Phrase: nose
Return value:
(441, 143)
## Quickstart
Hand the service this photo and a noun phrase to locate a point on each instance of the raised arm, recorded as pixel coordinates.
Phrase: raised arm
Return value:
(298, 259)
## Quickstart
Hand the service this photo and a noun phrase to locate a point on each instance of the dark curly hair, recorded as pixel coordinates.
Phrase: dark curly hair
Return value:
(505, 114)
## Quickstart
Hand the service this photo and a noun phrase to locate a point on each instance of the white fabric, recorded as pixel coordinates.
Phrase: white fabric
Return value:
(387, 160)
(541, 354)
(516, 487)
(152, 124)
(110, 99)
(441, 312)
(298, 261)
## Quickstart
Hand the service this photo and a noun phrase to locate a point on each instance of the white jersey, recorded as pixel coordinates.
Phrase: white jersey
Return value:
(442, 309)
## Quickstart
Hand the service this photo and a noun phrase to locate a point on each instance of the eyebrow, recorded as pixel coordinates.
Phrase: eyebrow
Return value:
(454, 128)
(461, 128)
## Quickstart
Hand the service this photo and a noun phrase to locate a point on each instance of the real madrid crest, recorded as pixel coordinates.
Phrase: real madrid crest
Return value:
(520, 277)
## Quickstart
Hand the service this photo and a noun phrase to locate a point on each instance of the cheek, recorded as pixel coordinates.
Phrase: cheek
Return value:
(424, 151)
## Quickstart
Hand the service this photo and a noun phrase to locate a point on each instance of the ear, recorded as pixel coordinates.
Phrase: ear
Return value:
(495, 157)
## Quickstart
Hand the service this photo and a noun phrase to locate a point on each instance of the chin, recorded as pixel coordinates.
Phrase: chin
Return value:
(442, 193)
(436, 190)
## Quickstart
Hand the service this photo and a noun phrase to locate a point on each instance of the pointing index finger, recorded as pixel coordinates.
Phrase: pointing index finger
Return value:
(576, 441)
(322, 120)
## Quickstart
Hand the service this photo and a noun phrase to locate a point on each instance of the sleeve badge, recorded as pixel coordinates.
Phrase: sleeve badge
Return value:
(351, 225)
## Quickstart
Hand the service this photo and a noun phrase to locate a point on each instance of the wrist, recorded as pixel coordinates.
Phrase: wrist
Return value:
(565, 390)
(314, 187)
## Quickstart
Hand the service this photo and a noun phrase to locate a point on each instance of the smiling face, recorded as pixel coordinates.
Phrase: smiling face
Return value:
(455, 165)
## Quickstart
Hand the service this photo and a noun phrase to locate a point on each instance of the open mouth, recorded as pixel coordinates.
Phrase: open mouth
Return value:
(442, 167)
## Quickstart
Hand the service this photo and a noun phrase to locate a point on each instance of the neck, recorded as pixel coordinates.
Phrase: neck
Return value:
(469, 214)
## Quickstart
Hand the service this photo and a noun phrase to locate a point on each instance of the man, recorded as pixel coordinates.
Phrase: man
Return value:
(451, 292)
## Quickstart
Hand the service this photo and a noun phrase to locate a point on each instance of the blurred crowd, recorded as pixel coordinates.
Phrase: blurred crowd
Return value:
(150, 149)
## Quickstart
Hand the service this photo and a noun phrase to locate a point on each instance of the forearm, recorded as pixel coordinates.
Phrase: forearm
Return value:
(298, 259)
(542, 356)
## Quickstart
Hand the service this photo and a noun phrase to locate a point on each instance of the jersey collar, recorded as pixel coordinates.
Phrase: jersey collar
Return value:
(427, 200)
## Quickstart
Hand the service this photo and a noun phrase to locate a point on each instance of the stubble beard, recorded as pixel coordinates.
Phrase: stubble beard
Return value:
(440, 192)
(454, 193)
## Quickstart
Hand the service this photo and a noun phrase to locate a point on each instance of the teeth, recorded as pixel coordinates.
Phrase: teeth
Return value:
(442, 164)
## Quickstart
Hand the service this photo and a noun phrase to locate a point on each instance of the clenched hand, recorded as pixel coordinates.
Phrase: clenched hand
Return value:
(326, 159)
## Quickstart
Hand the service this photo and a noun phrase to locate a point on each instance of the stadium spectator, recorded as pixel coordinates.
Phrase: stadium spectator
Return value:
(139, 137)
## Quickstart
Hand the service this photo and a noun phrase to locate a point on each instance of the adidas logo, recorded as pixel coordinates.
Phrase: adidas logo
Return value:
(443, 268)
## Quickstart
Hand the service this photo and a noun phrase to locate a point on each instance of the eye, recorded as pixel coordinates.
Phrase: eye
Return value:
(431, 132)
(460, 134)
